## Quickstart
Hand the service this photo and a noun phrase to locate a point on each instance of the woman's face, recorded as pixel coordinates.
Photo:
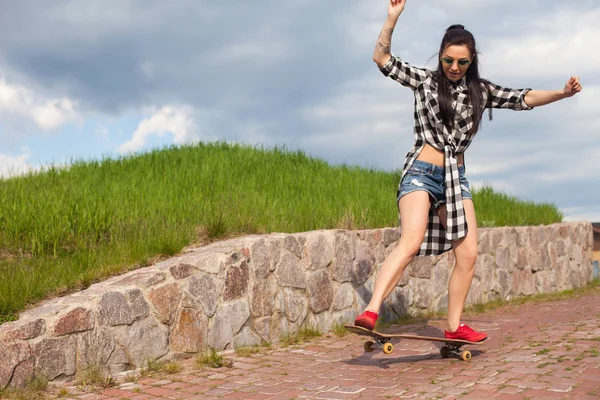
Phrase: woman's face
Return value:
(455, 60)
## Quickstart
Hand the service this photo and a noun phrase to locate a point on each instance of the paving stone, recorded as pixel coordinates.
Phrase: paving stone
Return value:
(531, 354)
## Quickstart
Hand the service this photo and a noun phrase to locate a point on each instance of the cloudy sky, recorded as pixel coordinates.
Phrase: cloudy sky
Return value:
(84, 79)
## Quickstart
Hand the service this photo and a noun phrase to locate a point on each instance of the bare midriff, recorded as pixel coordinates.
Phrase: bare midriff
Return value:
(431, 155)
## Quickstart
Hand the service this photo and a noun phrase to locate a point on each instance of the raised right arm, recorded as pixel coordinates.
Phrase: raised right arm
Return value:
(383, 48)
(389, 65)
(382, 52)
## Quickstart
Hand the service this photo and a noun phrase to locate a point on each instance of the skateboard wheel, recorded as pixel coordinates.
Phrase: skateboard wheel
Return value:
(465, 355)
(369, 346)
(388, 348)
(445, 352)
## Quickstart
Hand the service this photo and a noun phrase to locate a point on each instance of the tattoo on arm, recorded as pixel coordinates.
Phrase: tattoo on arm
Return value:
(383, 48)
(384, 41)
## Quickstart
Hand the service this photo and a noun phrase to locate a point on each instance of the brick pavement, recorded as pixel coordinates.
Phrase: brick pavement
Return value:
(545, 350)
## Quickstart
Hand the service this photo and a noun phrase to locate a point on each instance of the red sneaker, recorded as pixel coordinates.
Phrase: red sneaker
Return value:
(367, 320)
(465, 333)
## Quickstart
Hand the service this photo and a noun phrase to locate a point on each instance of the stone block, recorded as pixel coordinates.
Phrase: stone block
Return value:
(503, 260)
(390, 235)
(295, 305)
(206, 261)
(228, 321)
(236, 281)
(262, 326)
(289, 273)
(343, 249)
(319, 251)
(421, 267)
(143, 340)
(291, 244)
(139, 307)
(142, 279)
(206, 289)
(97, 348)
(165, 300)
(423, 293)
(181, 270)
(320, 291)
(56, 356)
(260, 258)
(114, 309)
(363, 263)
(26, 330)
(261, 298)
(16, 364)
(275, 254)
(246, 338)
(190, 331)
(343, 297)
(77, 320)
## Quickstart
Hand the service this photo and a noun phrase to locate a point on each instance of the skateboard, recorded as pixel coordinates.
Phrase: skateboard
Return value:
(452, 347)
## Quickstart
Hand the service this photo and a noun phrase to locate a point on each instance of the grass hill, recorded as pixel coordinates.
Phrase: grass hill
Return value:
(65, 228)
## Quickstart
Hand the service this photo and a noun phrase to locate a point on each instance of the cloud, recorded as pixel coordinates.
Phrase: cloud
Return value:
(13, 166)
(550, 44)
(101, 130)
(299, 73)
(175, 120)
(591, 213)
(48, 114)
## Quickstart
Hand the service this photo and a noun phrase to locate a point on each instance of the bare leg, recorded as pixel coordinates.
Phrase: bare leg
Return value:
(465, 252)
(414, 212)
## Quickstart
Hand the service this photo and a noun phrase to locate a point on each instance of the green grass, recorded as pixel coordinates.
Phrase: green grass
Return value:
(65, 228)
(499, 209)
(34, 389)
(248, 351)
(338, 330)
(211, 359)
(304, 334)
(96, 376)
(154, 366)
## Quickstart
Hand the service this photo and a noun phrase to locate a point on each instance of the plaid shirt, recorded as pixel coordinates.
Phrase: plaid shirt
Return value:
(430, 129)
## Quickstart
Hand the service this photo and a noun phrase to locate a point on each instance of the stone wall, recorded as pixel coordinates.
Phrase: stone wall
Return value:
(258, 288)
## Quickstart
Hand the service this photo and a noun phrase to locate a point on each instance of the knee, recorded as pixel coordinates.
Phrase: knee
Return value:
(467, 257)
(409, 249)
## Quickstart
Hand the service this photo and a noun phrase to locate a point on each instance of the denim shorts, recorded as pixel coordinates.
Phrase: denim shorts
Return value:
(431, 179)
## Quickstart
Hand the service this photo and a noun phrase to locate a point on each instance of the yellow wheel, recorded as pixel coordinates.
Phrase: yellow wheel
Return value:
(369, 346)
(388, 348)
(465, 355)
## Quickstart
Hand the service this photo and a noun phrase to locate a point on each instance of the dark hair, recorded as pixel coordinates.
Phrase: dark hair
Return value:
(458, 35)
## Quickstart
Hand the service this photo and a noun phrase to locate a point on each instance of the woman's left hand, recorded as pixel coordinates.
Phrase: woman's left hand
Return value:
(572, 87)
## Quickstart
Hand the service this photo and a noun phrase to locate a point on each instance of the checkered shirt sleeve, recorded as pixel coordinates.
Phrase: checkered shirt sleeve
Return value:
(501, 97)
(404, 73)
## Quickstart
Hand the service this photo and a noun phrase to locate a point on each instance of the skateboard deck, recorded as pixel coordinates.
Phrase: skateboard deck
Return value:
(383, 341)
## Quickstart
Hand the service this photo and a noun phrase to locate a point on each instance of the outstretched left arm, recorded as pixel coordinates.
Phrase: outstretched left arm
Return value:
(536, 98)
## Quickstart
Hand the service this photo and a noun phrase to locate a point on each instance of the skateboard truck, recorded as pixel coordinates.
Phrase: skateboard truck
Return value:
(452, 349)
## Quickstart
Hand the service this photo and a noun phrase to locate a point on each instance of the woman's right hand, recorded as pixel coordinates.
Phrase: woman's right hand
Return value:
(396, 7)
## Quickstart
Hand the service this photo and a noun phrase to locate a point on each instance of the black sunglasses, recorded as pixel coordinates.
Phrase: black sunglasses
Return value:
(449, 61)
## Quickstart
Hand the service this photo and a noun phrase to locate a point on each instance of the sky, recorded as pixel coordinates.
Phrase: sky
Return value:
(102, 78)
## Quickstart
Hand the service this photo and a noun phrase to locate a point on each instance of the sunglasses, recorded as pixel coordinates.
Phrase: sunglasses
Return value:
(461, 62)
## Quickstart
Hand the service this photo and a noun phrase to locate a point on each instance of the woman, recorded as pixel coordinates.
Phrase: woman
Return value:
(434, 198)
